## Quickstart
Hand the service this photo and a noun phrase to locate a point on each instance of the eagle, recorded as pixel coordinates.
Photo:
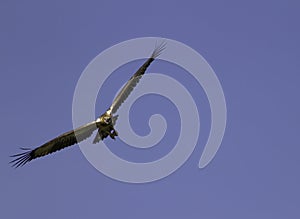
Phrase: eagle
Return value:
(103, 124)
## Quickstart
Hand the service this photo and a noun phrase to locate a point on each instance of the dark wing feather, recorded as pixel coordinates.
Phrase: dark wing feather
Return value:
(56, 144)
(133, 81)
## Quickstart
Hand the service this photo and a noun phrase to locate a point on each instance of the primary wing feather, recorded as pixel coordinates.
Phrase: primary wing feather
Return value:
(133, 81)
(67, 139)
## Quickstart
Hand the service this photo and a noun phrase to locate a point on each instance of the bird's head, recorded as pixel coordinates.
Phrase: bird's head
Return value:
(105, 119)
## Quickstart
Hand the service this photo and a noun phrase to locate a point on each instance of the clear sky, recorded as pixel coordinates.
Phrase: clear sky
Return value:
(253, 47)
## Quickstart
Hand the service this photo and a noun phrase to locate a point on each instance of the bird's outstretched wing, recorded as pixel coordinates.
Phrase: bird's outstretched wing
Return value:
(133, 81)
(72, 137)
(65, 140)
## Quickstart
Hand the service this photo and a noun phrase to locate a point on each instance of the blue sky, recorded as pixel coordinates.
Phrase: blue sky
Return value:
(253, 46)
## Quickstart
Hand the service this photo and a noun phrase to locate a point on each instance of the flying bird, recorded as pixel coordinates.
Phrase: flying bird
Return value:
(103, 124)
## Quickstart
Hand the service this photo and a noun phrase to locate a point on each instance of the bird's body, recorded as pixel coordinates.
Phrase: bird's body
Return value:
(104, 124)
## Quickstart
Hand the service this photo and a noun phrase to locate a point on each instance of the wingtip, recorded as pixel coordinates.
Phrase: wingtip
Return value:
(21, 159)
(159, 48)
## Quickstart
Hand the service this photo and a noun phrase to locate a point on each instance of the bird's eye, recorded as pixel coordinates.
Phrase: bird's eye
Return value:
(108, 120)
